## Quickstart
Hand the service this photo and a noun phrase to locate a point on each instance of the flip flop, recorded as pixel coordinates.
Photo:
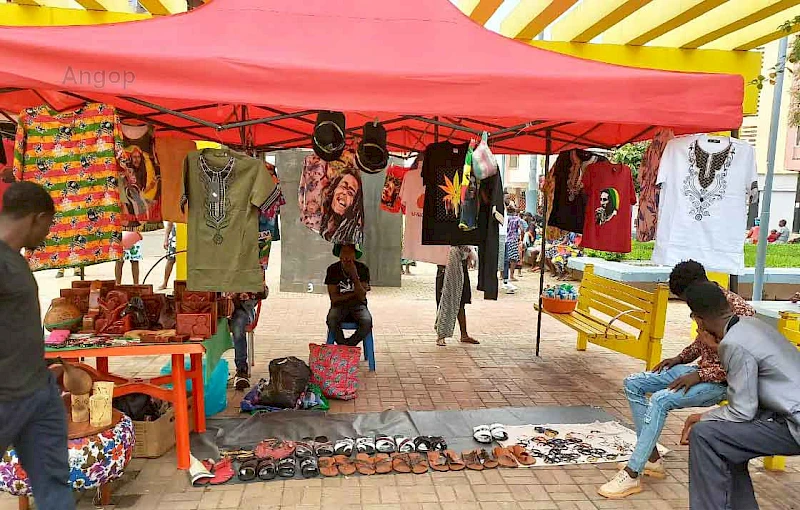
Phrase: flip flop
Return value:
(309, 467)
(344, 447)
(266, 470)
(199, 472)
(469, 340)
(504, 457)
(404, 444)
(275, 449)
(472, 461)
(422, 444)
(385, 444)
(524, 458)
(365, 445)
(223, 472)
(498, 432)
(418, 463)
(248, 470)
(383, 464)
(365, 465)
(437, 443)
(345, 465)
(327, 467)
(454, 462)
(287, 467)
(401, 463)
(482, 434)
(487, 459)
(323, 447)
(437, 461)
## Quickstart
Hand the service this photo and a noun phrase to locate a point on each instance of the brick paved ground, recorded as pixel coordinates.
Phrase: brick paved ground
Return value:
(415, 374)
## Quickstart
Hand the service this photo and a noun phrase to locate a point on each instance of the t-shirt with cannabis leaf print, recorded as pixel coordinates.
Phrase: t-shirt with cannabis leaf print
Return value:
(442, 168)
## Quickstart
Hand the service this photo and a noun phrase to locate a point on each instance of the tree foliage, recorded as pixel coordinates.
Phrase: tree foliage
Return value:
(631, 154)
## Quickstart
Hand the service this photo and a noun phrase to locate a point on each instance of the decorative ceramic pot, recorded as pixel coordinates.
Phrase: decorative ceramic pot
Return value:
(62, 314)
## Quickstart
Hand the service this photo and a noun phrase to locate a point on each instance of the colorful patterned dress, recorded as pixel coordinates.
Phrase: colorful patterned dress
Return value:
(75, 156)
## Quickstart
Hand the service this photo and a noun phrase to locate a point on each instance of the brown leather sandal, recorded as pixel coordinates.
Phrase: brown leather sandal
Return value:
(345, 465)
(327, 467)
(401, 463)
(524, 458)
(454, 462)
(472, 461)
(487, 459)
(418, 463)
(383, 464)
(504, 457)
(437, 461)
(365, 464)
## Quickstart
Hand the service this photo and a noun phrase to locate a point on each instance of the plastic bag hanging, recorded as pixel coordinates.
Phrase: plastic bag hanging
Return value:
(484, 164)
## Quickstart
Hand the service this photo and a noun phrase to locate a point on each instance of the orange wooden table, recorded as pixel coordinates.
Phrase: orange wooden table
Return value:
(153, 387)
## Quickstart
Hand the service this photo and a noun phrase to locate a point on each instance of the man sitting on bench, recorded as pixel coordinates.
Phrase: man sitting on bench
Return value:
(673, 384)
(762, 416)
(348, 284)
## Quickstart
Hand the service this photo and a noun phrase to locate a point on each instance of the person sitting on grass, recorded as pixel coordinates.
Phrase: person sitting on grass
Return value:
(348, 284)
(762, 416)
(673, 384)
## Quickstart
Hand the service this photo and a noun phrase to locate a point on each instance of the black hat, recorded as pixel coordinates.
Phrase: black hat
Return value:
(371, 156)
(329, 137)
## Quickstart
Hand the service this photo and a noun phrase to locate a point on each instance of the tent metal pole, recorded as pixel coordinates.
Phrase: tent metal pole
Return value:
(761, 257)
(435, 129)
(548, 147)
(178, 114)
(518, 127)
(183, 110)
(733, 280)
(267, 120)
(436, 122)
(637, 135)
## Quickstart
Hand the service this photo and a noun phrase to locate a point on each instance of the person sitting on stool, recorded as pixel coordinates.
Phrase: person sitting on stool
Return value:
(348, 284)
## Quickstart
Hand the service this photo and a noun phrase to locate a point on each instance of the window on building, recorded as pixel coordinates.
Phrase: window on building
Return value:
(513, 161)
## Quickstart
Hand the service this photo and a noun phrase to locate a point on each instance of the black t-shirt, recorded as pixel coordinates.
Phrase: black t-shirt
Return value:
(337, 276)
(442, 167)
(22, 340)
(490, 217)
(568, 212)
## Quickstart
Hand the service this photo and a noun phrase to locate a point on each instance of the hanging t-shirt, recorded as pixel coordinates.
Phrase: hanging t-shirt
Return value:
(610, 194)
(171, 152)
(226, 191)
(412, 197)
(569, 200)
(490, 219)
(140, 189)
(442, 168)
(268, 223)
(705, 185)
(390, 194)
(75, 156)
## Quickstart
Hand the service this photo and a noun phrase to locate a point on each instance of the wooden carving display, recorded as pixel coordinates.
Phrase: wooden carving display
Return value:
(154, 305)
(110, 320)
(105, 285)
(78, 297)
(180, 288)
(195, 325)
(197, 302)
(135, 290)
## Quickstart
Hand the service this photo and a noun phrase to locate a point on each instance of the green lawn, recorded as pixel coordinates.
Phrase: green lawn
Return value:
(778, 255)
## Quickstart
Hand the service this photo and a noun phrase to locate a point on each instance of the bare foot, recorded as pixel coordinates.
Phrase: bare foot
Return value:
(514, 279)
(162, 287)
(441, 342)
(469, 340)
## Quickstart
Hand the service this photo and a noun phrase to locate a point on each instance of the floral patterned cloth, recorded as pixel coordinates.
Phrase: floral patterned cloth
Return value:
(93, 460)
(76, 157)
(647, 217)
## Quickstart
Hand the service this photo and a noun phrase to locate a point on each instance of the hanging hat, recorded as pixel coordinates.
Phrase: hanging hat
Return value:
(372, 156)
(329, 136)
(337, 249)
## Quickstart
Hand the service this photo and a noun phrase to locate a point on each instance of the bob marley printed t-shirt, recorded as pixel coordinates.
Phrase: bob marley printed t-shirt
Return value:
(442, 169)
(609, 196)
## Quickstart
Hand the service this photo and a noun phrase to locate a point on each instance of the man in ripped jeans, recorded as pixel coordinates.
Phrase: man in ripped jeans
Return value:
(673, 384)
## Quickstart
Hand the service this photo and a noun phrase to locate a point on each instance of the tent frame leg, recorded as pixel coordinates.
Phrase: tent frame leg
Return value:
(548, 148)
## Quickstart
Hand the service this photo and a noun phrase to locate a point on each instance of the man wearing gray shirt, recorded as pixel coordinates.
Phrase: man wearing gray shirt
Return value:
(762, 417)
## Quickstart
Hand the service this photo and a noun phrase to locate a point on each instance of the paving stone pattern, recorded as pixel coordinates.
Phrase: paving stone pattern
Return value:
(413, 373)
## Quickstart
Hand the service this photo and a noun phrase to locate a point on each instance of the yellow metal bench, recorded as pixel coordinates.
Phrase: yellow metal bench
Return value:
(604, 303)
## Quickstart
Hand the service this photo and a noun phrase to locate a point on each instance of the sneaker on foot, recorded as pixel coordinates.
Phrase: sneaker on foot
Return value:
(621, 486)
(242, 380)
(60, 273)
(509, 288)
(652, 469)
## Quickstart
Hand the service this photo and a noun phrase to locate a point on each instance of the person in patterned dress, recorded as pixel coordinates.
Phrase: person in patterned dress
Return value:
(673, 384)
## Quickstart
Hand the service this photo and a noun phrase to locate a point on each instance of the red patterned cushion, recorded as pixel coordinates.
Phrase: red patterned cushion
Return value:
(334, 368)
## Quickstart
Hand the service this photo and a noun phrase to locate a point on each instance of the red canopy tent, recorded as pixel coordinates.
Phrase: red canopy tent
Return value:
(253, 72)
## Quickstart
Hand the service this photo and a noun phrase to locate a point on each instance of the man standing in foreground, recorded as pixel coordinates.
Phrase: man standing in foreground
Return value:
(32, 415)
(762, 417)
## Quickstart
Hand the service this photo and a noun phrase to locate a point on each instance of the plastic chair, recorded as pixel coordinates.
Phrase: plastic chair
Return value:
(369, 343)
(251, 349)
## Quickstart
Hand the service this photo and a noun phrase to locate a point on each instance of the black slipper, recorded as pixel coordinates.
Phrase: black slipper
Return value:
(309, 467)
(266, 470)
(287, 467)
(248, 470)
